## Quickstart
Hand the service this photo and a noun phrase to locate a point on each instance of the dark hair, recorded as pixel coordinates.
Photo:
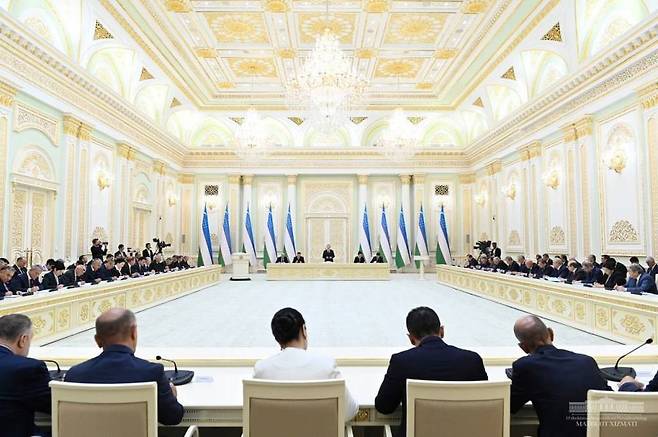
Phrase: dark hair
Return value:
(121, 246)
(610, 263)
(634, 260)
(422, 322)
(50, 262)
(4, 260)
(286, 324)
(13, 326)
(59, 265)
(81, 258)
(20, 258)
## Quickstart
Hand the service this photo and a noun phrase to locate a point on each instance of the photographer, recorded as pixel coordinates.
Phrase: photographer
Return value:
(160, 245)
(98, 249)
(147, 252)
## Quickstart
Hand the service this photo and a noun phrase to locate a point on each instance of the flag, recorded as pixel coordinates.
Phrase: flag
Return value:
(402, 253)
(205, 245)
(364, 235)
(421, 238)
(225, 258)
(384, 238)
(269, 253)
(442, 247)
(289, 238)
(248, 238)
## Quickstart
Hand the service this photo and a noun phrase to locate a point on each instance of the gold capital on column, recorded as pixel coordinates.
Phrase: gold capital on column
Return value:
(494, 167)
(419, 179)
(292, 179)
(648, 95)
(584, 126)
(159, 167)
(467, 178)
(126, 151)
(405, 178)
(7, 94)
(85, 132)
(185, 178)
(234, 179)
(362, 179)
(71, 125)
(247, 179)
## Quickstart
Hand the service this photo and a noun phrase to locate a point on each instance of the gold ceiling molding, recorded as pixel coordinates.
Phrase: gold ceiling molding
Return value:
(206, 52)
(252, 67)
(466, 178)
(377, 6)
(175, 102)
(648, 95)
(178, 6)
(237, 120)
(445, 53)
(313, 24)
(494, 167)
(76, 128)
(286, 53)
(358, 120)
(424, 85)
(100, 32)
(408, 28)
(474, 6)
(276, 6)
(185, 178)
(27, 117)
(366, 53)
(531, 150)
(478, 102)
(225, 85)
(400, 67)
(7, 94)
(554, 34)
(238, 27)
(297, 120)
(145, 75)
(509, 74)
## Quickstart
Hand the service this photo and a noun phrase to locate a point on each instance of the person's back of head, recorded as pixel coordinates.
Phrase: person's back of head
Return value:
(289, 328)
(532, 333)
(423, 322)
(116, 326)
(16, 333)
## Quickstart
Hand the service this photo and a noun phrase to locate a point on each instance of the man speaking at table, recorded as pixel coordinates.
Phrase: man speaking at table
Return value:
(328, 255)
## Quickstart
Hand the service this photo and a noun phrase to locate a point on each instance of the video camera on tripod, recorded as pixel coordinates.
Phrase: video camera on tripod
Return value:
(484, 247)
(160, 245)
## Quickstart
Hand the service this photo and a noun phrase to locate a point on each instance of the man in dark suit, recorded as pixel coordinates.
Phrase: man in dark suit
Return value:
(116, 334)
(53, 279)
(576, 273)
(615, 274)
(513, 266)
(592, 259)
(495, 250)
(20, 266)
(545, 269)
(377, 258)
(183, 263)
(298, 259)
(158, 266)
(121, 252)
(560, 270)
(131, 268)
(107, 272)
(328, 254)
(500, 265)
(147, 252)
(470, 262)
(283, 259)
(430, 359)
(98, 249)
(638, 281)
(360, 258)
(592, 274)
(553, 379)
(23, 381)
(92, 274)
(73, 278)
(652, 267)
(531, 269)
(27, 282)
(6, 273)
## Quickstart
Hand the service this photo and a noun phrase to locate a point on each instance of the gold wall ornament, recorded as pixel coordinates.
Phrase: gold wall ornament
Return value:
(509, 74)
(480, 198)
(551, 178)
(175, 102)
(474, 6)
(510, 190)
(103, 179)
(365, 53)
(26, 117)
(100, 32)
(377, 6)
(178, 6)
(237, 120)
(238, 27)
(400, 67)
(225, 85)
(415, 120)
(615, 159)
(445, 53)
(554, 34)
(286, 53)
(358, 120)
(648, 95)
(172, 199)
(412, 28)
(632, 324)
(252, 67)
(424, 85)
(276, 6)
(623, 231)
(557, 236)
(478, 102)
(7, 94)
(514, 238)
(206, 52)
(126, 151)
(297, 120)
(145, 75)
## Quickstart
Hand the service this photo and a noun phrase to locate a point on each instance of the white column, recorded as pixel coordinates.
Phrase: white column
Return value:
(648, 96)
(7, 95)
(83, 182)
(158, 200)
(246, 203)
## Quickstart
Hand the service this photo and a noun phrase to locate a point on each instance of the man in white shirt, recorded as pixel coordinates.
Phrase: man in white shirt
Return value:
(295, 362)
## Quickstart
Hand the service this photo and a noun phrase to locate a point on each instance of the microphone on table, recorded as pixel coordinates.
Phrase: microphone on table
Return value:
(176, 377)
(56, 375)
(617, 373)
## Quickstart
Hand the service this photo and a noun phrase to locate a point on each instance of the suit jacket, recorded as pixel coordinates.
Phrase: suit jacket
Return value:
(119, 254)
(358, 260)
(514, 267)
(50, 281)
(653, 271)
(148, 253)
(652, 386)
(98, 252)
(92, 275)
(552, 378)
(328, 255)
(548, 270)
(118, 365)
(645, 283)
(298, 259)
(18, 270)
(69, 279)
(4, 288)
(22, 282)
(23, 390)
(595, 275)
(294, 364)
(618, 277)
(157, 267)
(107, 274)
(497, 252)
(130, 270)
(577, 275)
(562, 272)
(432, 359)
(502, 266)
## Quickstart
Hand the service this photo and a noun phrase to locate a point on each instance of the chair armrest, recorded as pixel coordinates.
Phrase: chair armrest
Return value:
(387, 431)
(348, 431)
(192, 431)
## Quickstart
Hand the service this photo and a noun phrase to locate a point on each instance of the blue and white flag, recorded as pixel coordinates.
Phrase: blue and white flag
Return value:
(225, 245)
(248, 238)
(364, 235)
(384, 238)
(289, 238)
(269, 252)
(205, 244)
(443, 255)
(421, 238)
(402, 252)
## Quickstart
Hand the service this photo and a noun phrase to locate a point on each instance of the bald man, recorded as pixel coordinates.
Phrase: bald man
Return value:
(116, 334)
(553, 379)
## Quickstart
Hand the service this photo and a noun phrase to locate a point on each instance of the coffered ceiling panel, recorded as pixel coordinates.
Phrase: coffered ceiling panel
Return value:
(405, 28)
(313, 24)
(238, 27)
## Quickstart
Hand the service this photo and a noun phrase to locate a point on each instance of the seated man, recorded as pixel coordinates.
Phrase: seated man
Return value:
(53, 279)
(158, 265)
(531, 269)
(360, 258)
(638, 281)
(20, 266)
(184, 263)
(295, 362)
(298, 259)
(328, 254)
(27, 283)
(560, 270)
(615, 274)
(130, 268)
(576, 274)
(116, 334)
(430, 359)
(592, 259)
(23, 381)
(282, 259)
(93, 274)
(499, 265)
(552, 379)
(636, 260)
(483, 263)
(592, 274)
(107, 271)
(377, 258)
(6, 273)
(545, 269)
(652, 267)
(513, 265)
(75, 277)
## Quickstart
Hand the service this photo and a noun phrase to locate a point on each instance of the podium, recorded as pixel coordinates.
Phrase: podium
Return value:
(422, 260)
(240, 267)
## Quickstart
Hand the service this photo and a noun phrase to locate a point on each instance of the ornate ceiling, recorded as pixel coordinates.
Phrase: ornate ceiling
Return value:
(224, 54)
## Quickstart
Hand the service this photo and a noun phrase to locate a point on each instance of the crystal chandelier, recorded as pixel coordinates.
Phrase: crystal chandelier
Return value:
(250, 138)
(399, 139)
(327, 86)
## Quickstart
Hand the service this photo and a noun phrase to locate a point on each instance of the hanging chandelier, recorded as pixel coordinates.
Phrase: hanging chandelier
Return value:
(250, 137)
(400, 138)
(328, 86)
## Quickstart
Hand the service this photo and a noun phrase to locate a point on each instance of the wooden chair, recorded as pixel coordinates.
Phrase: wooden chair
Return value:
(617, 414)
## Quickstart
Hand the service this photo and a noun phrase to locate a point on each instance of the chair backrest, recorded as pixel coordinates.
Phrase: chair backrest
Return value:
(458, 409)
(104, 410)
(293, 408)
(617, 414)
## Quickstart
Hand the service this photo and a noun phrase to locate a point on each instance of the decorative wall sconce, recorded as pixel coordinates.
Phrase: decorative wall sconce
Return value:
(615, 159)
(103, 179)
(551, 178)
(172, 199)
(480, 199)
(383, 200)
(212, 202)
(510, 191)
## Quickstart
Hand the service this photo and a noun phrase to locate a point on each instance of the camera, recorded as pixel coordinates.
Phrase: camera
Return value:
(161, 244)
(483, 246)
(105, 243)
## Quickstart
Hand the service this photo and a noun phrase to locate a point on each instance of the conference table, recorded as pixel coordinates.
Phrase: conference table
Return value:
(329, 271)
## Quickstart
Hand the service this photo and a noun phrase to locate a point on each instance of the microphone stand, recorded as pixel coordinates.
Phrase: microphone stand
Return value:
(176, 377)
(55, 375)
(617, 373)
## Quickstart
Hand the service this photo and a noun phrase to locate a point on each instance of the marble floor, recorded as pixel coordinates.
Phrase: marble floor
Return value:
(338, 314)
